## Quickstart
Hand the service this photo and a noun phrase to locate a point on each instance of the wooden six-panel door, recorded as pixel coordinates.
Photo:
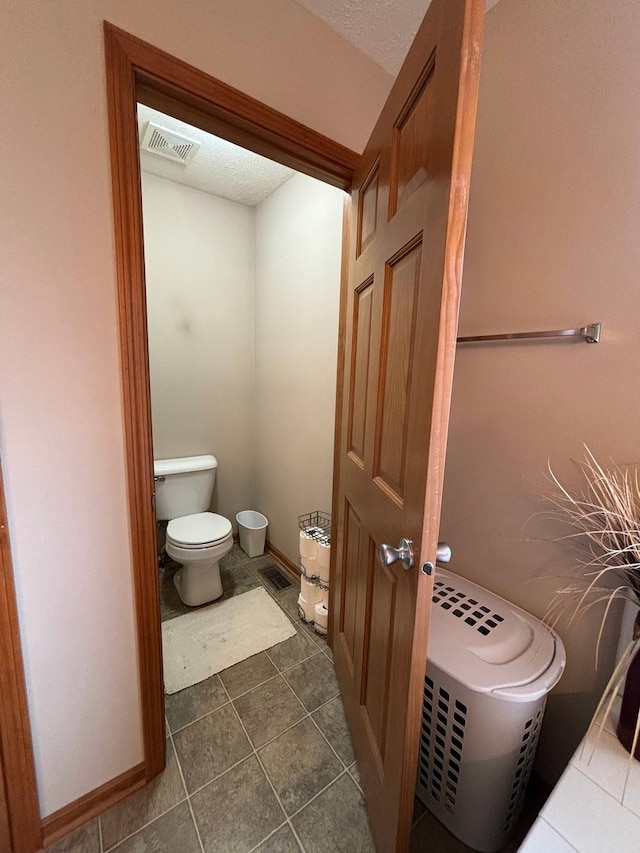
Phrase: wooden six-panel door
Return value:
(409, 206)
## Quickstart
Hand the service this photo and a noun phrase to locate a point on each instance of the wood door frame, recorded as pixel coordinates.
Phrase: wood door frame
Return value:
(19, 806)
(137, 71)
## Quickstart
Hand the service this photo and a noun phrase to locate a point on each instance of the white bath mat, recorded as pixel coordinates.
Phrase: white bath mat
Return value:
(213, 638)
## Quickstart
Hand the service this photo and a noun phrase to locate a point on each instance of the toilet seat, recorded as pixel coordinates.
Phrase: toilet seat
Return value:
(201, 530)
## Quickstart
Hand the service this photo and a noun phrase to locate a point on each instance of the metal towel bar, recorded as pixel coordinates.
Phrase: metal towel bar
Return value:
(591, 335)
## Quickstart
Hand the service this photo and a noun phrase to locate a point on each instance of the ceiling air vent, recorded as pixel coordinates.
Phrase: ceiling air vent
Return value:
(166, 143)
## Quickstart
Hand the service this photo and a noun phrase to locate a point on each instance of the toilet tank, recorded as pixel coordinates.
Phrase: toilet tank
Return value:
(187, 486)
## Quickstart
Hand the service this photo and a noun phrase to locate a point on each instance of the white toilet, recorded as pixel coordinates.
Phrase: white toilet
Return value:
(195, 538)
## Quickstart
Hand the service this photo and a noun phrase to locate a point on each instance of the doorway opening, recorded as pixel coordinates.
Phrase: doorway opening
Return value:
(242, 262)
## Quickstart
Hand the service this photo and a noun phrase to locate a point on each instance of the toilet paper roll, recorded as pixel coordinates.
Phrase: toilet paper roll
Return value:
(324, 554)
(310, 592)
(325, 597)
(306, 609)
(323, 571)
(310, 566)
(321, 618)
(308, 546)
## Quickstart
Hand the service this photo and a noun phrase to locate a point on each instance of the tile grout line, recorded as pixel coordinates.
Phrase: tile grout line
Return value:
(153, 819)
(310, 713)
(267, 837)
(220, 775)
(321, 791)
(275, 737)
(296, 836)
(266, 651)
(326, 787)
(418, 819)
(100, 842)
(277, 796)
(618, 800)
(261, 746)
(325, 738)
(240, 695)
(313, 722)
(184, 785)
(144, 825)
(564, 838)
(266, 776)
(197, 719)
(357, 784)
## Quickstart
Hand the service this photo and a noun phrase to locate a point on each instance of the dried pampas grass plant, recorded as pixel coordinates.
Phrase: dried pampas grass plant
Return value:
(603, 517)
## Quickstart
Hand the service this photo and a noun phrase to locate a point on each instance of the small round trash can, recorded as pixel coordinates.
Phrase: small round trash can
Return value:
(252, 529)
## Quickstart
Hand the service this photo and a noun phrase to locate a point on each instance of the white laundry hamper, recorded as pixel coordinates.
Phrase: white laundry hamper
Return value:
(490, 667)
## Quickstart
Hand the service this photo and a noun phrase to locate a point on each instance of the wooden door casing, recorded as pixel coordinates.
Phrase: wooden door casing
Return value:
(5, 832)
(409, 203)
(137, 70)
(19, 807)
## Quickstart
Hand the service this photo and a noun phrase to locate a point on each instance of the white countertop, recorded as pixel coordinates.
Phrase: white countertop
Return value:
(595, 807)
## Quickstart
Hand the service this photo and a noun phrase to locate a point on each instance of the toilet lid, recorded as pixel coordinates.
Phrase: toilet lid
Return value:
(203, 528)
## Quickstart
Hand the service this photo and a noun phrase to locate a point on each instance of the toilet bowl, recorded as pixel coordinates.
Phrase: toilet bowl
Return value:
(198, 542)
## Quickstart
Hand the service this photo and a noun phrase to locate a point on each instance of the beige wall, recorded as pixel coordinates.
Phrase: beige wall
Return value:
(298, 244)
(552, 243)
(199, 258)
(61, 413)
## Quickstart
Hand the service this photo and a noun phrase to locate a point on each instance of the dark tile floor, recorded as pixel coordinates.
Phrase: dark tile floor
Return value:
(259, 757)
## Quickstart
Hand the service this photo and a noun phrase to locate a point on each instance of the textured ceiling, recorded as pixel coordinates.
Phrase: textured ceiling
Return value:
(219, 167)
(382, 29)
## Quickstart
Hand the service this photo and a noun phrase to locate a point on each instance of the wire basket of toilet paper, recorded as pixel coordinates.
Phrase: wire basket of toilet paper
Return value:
(315, 554)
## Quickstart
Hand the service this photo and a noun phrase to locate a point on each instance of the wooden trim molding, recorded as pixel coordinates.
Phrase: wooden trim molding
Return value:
(5, 829)
(85, 808)
(336, 514)
(127, 203)
(166, 83)
(136, 70)
(19, 807)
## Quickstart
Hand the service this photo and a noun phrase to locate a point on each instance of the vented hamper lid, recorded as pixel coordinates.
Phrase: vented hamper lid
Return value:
(490, 645)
